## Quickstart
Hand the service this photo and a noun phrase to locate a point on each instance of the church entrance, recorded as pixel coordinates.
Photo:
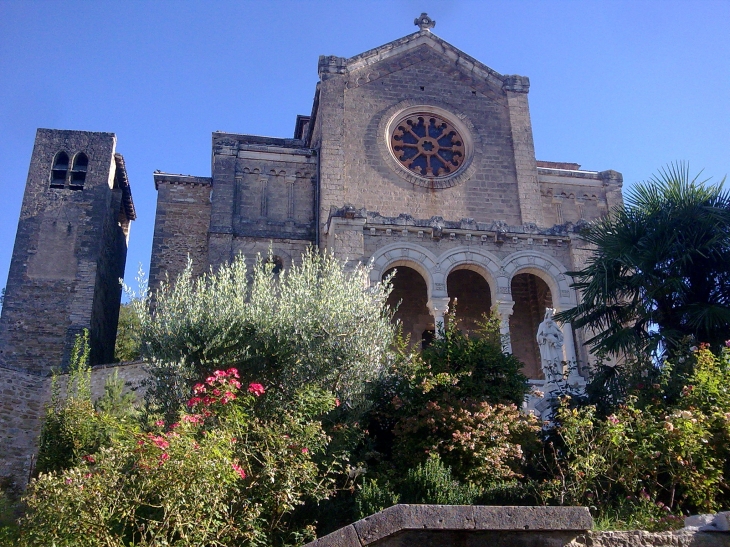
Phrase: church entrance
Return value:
(409, 298)
(531, 296)
(471, 298)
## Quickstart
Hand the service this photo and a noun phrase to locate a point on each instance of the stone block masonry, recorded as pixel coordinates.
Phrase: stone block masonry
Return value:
(24, 397)
(69, 253)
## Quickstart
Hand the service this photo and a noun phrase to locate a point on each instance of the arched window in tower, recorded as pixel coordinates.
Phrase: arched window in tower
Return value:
(59, 170)
(78, 172)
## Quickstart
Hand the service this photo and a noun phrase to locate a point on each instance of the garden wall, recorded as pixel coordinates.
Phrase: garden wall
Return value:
(485, 526)
(23, 397)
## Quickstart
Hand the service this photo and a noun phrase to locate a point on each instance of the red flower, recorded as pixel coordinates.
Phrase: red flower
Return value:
(194, 401)
(256, 389)
(89, 458)
(238, 469)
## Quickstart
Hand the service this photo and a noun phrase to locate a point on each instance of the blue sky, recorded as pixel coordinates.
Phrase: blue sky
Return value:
(624, 85)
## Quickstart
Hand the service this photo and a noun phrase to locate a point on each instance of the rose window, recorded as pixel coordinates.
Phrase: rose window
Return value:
(427, 145)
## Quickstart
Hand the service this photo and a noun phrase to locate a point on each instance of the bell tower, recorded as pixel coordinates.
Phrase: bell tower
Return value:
(69, 254)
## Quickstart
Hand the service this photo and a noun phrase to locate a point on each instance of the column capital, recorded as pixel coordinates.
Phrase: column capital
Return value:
(438, 306)
(505, 307)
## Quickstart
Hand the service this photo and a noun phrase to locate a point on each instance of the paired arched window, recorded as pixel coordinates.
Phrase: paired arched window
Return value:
(60, 171)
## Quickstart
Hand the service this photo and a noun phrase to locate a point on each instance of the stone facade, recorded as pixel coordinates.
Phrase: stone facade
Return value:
(69, 255)
(498, 231)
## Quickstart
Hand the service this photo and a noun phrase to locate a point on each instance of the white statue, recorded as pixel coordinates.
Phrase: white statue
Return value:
(550, 340)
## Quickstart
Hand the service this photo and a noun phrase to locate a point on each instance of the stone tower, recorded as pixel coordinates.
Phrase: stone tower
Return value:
(69, 255)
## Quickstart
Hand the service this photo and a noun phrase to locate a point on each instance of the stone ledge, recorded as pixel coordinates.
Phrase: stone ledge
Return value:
(475, 518)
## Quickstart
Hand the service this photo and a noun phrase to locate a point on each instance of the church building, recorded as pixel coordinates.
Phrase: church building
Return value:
(415, 157)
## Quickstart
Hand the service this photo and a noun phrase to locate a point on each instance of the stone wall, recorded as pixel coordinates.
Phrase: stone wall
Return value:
(181, 226)
(497, 526)
(23, 399)
(360, 167)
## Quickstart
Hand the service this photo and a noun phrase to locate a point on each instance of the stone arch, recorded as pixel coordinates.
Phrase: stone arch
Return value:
(546, 268)
(552, 273)
(409, 300)
(405, 254)
(467, 258)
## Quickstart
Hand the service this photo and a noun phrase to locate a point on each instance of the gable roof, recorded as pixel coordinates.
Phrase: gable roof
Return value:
(339, 65)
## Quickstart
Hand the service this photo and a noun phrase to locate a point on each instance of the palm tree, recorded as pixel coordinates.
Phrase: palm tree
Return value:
(661, 268)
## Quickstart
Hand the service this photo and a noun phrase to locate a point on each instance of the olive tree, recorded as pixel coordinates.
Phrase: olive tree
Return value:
(315, 323)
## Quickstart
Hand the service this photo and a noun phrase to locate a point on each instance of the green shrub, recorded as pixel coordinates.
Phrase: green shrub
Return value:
(71, 427)
(223, 475)
(432, 482)
(374, 497)
(315, 323)
(127, 345)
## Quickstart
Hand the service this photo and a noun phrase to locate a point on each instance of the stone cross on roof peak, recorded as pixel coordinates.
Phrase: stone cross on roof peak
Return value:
(424, 22)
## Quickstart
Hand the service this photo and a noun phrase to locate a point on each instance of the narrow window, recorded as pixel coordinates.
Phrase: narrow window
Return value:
(78, 172)
(59, 170)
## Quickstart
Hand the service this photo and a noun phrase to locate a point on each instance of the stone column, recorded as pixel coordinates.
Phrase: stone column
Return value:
(438, 306)
(504, 309)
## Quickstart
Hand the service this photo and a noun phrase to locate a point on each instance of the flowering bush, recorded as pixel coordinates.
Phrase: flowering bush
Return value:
(220, 475)
(481, 442)
(663, 452)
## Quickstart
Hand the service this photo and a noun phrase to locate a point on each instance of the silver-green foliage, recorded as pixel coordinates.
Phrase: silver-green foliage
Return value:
(314, 323)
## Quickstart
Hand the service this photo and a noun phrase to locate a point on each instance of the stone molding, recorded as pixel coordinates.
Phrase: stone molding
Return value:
(400, 518)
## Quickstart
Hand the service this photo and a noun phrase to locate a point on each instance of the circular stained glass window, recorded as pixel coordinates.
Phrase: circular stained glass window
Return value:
(428, 145)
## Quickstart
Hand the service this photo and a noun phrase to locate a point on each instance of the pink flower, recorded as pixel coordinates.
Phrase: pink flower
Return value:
(727, 343)
(199, 388)
(219, 374)
(238, 469)
(194, 401)
(175, 425)
(337, 402)
(210, 380)
(89, 458)
(217, 392)
(228, 396)
(256, 389)
(232, 372)
(160, 442)
(160, 423)
(235, 383)
(163, 458)
(192, 418)
(613, 419)
(305, 450)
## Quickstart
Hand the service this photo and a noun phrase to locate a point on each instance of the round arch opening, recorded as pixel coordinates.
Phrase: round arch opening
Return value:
(470, 295)
(409, 299)
(531, 296)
